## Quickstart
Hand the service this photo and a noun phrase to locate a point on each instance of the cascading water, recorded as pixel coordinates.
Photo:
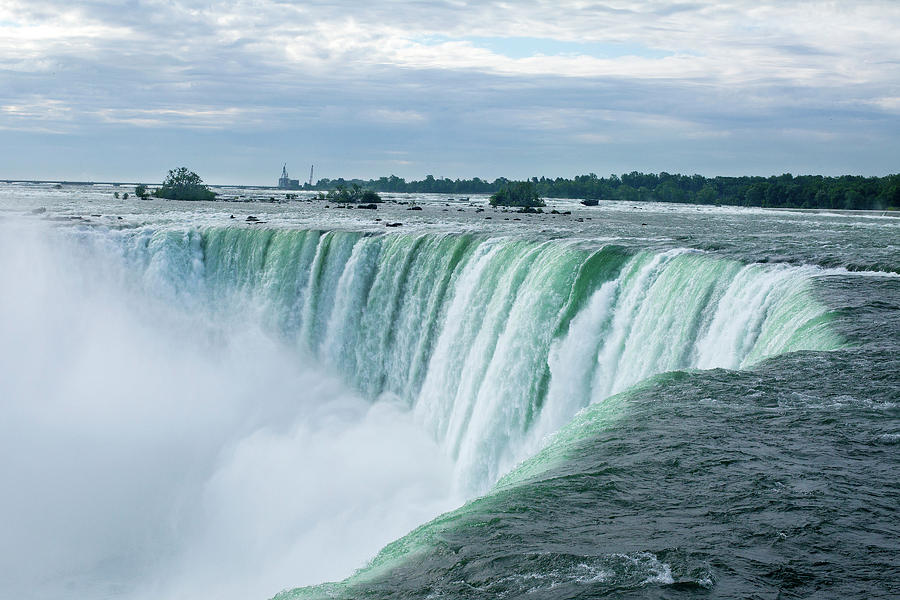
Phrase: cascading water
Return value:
(495, 343)
(198, 410)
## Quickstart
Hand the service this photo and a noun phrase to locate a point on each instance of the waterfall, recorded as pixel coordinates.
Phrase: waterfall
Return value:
(494, 343)
(233, 410)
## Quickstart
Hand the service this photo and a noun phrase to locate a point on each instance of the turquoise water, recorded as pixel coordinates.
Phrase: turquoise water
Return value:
(635, 407)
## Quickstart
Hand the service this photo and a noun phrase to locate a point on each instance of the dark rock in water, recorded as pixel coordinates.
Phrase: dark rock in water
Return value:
(487, 217)
(554, 212)
(643, 224)
(251, 218)
(590, 202)
(393, 224)
(119, 218)
(368, 206)
(96, 216)
(414, 208)
(377, 219)
(39, 211)
(580, 220)
(568, 212)
(478, 210)
(231, 217)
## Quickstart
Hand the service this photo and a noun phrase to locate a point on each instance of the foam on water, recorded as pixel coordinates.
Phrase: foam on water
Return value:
(275, 405)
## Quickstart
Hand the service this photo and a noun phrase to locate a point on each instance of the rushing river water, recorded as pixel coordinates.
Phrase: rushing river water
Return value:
(645, 400)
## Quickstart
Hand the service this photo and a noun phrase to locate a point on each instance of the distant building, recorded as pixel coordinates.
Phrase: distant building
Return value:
(285, 182)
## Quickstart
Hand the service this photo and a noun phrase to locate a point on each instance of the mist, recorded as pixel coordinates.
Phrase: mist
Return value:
(154, 446)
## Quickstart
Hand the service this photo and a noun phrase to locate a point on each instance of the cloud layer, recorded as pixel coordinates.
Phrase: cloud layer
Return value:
(103, 89)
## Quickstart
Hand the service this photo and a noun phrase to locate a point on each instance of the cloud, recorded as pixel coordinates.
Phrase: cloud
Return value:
(419, 75)
(191, 118)
(395, 116)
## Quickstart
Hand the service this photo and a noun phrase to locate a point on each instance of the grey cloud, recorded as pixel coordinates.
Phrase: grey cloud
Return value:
(676, 8)
(192, 84)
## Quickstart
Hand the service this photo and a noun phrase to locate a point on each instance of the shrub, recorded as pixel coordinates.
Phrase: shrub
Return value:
(181, 184)
(520, 193)
(354, 194)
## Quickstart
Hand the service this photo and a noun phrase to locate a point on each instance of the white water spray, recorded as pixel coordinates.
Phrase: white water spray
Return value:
(233, 411)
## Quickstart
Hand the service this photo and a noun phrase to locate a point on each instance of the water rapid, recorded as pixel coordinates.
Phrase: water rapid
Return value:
(495, 343)
(258, 408)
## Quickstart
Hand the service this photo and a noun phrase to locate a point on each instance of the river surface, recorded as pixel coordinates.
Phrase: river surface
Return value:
(626, 401)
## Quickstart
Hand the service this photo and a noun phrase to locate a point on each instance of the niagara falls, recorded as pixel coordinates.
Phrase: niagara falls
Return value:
(232, 410)
(449, 300)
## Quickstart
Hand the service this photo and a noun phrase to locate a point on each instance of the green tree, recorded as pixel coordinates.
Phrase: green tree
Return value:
(181, 184)
(517, 193)
(141, 191)
(756, 194)
(707, 195)
(370, 197)
(355, 193)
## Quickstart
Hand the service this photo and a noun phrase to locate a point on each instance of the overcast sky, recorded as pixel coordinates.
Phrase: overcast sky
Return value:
(125, 90)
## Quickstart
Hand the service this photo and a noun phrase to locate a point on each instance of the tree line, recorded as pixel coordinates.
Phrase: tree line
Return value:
(851, 192)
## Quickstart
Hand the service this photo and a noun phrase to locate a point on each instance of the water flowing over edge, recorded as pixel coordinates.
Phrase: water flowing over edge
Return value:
(494, 344)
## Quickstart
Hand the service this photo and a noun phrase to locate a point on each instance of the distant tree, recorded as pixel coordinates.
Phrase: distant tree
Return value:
(125, 196)
(787, 190)
(116, 195)
(891, 195)
(181, 184)
(519, 193)
(141, 191)
(707, 195)
(628, 193)
(355, 193)
(756, 194)
(668, 190)
(370, 197)
(339, 194)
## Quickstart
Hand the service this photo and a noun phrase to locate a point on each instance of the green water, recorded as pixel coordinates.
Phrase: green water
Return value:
(642, 406)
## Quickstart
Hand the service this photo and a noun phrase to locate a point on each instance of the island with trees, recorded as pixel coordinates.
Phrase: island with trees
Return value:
(355, 194)
(182, 184)
(518, 193)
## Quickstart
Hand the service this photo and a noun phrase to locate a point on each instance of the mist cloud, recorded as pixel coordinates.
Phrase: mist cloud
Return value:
(153, 449)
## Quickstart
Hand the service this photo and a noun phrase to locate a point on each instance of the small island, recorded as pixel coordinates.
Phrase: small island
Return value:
(181, 184)
(353, 195)
(517, 193)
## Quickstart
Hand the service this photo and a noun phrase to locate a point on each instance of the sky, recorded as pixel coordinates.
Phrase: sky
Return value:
(125, 90)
